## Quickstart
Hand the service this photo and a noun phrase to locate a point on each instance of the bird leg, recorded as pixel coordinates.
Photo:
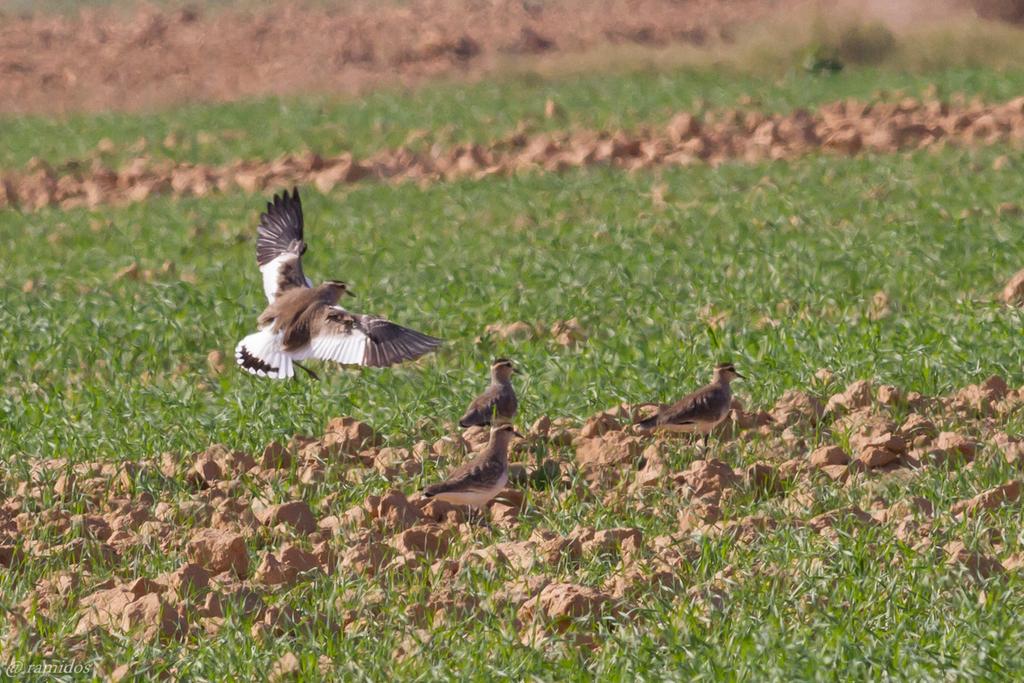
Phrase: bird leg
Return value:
(706, 435)
(306, 370)
(479, 515)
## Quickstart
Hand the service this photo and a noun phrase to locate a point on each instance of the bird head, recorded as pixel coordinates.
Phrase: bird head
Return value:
(503, 433)
(339, 286)
(727, 372)
(502, 369)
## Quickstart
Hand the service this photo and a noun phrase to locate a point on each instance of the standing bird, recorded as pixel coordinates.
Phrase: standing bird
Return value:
(498, 402)
(700, 411)
(303, 321)
(482, 478)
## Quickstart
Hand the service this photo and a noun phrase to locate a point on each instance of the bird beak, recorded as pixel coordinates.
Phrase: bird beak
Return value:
(518, 434)
(515, 371)
(740, 376)
(350, 293)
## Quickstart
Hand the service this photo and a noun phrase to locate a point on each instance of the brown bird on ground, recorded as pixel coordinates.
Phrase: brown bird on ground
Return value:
(303, 321)
(482, 478)
(498, 402)
(700, 411)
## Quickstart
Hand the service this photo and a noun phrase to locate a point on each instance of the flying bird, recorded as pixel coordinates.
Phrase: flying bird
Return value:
(304, 322)
(498, 402)
(700, 411)
(482, 478)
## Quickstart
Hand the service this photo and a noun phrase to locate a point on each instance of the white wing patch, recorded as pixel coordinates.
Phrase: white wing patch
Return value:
(263, 354)
(271, 271)
(347, 348)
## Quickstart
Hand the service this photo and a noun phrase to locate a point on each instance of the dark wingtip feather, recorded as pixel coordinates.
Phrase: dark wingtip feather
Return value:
(408, 345)
(280, 226)
(251, 363)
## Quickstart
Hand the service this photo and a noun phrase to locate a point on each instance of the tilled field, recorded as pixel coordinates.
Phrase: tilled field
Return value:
(821, 465)
(848, 127)
(853, 510)
(153, 57)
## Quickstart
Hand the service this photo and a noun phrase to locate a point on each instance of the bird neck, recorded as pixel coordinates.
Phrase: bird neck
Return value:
(499, 444)
(721, 379)
(329, 293)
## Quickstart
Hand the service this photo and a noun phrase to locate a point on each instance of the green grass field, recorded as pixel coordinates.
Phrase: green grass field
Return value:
(454, 113)
(97, 369)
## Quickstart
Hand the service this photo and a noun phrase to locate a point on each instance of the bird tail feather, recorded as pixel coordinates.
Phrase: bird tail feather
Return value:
(263, 354)
(649, 423)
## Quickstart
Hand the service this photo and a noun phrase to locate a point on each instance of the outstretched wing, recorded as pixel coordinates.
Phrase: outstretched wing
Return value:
(284, 273)
(263, 354)
(279, 226)
(354, 339)
(390, 343)
(279, 245)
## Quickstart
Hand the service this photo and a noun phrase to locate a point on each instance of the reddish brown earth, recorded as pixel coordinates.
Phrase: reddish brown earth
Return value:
(848, 127)
(233, 508)
(153, 57)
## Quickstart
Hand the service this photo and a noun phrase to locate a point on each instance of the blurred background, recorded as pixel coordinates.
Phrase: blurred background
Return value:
(97, 55)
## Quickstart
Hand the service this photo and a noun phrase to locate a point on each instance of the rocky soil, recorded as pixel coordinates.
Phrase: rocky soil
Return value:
(846, 127)
(152, 57)
(240, 536)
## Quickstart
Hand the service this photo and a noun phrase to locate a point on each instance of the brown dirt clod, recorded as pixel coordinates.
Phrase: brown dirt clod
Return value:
(1013, 292)
(219, 551)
